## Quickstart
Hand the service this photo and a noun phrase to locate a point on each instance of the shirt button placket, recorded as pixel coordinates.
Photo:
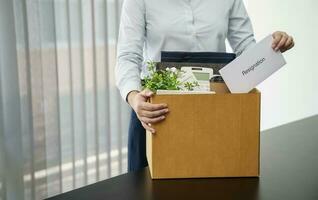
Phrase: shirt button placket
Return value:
(191, 17)
(194, 33)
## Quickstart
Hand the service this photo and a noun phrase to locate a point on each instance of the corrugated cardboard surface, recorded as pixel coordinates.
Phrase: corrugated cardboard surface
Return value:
(214, 135)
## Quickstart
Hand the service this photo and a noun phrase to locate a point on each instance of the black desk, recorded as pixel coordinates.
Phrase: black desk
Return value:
(289, 170)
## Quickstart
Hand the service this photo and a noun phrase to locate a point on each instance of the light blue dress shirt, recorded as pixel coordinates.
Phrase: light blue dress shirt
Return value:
(148, 27)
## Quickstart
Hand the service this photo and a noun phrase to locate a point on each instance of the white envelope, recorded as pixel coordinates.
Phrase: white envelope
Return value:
(252, 67)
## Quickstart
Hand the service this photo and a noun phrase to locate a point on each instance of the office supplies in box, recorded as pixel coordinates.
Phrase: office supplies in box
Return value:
(196, 62)
(178, 59)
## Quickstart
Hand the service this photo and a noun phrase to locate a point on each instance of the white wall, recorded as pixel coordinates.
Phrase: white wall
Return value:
(292, 92)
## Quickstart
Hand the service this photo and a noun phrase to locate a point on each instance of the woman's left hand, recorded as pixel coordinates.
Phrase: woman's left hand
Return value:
(282, 41)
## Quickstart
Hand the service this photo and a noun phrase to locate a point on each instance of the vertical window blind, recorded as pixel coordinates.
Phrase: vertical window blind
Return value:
(70, 124)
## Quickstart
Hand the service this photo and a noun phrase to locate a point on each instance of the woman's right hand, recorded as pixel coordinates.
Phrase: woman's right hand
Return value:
(146, 112)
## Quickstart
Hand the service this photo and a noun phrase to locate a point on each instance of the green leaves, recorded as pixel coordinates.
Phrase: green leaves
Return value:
(165, 79)
(189, 86)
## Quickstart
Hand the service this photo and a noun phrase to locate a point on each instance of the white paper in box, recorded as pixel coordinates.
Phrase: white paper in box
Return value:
(252, 67)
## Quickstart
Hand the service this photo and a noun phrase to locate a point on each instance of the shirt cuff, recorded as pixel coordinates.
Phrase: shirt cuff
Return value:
(128, 87)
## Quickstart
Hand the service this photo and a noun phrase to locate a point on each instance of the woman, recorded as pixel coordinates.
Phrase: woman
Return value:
(148, 27)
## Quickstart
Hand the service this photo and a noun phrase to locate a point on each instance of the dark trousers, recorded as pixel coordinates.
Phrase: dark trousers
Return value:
(136, 144)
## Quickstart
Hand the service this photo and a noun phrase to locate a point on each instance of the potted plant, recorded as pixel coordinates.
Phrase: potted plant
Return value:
(168, 79)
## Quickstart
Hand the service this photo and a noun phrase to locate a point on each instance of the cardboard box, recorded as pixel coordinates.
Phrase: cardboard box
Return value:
(208, 135)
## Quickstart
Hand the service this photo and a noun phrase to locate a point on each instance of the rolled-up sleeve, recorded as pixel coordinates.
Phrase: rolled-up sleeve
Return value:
(240, 32)
(130, 47)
